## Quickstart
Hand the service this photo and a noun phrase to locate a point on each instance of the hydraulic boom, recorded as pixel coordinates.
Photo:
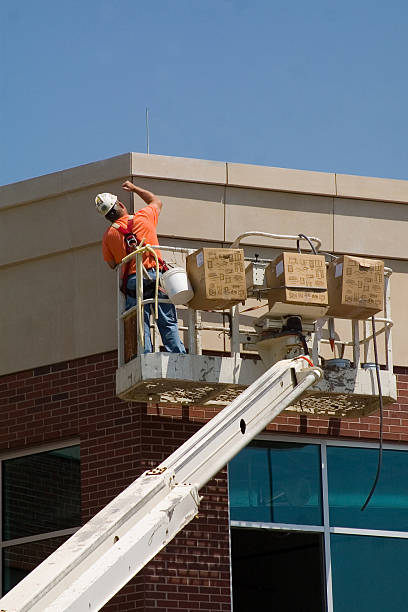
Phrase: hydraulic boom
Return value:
(102, 556)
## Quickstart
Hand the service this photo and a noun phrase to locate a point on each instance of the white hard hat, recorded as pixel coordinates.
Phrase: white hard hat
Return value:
(104, 202)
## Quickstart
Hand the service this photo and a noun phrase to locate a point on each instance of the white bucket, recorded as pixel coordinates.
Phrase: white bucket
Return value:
(177, 286)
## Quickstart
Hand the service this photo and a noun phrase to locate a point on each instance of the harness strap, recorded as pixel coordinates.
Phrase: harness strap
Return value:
(131, 242)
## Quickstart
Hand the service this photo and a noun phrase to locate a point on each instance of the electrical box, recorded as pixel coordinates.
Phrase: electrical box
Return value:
(217, 277)
(255, 276)
(356, 287)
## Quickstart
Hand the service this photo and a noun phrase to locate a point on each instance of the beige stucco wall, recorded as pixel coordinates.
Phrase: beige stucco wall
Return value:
(58, 296)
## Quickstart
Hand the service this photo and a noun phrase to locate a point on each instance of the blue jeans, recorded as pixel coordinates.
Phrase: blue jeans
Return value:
(167, 321)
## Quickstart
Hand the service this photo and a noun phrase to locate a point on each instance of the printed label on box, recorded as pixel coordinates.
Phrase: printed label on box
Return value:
(339, 270)
(279, 268)
(200, 259)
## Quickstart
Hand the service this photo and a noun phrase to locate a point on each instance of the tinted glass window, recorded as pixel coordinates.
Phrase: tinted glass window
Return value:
(351, 472)
(279, 483)
(266, 566)
(19, 560)
(369, 573)
(41, 493)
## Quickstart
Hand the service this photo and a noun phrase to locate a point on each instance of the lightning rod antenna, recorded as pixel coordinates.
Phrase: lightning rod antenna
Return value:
(147, 131)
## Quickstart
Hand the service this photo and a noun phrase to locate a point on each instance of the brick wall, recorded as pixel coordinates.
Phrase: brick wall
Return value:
(120, 440)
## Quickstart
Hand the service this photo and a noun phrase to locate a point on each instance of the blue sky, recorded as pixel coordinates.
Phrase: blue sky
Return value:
(318, 85)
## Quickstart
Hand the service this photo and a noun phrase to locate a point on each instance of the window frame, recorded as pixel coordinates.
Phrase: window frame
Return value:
(14, 454)
(326, 530)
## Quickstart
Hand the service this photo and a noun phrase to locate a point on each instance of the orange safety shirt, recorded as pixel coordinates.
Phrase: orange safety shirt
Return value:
(144, 226)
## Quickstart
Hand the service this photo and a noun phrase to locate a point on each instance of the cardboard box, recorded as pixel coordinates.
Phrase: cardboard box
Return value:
(297, 279)
(356, 287)
(217, 277)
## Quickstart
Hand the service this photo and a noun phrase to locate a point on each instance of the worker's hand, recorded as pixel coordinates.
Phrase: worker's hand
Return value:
(128, 186)
(147, 196)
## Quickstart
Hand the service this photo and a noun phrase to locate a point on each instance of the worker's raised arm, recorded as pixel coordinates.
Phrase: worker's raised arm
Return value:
(147, 196)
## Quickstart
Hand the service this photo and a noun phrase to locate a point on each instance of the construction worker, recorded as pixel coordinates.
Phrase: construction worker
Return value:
(119, 239)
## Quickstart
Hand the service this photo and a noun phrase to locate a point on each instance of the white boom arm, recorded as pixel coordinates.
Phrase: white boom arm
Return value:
(101, 557)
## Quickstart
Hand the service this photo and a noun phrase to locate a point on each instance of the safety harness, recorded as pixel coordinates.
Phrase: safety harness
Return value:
(131, 243)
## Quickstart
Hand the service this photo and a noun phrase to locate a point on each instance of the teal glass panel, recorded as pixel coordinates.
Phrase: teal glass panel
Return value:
(21, 559)
(369, 573)
(277, 483)
(351, 472)
(41, 493)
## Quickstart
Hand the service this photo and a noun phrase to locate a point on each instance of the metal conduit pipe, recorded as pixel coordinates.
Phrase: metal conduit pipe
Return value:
(235, 244)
